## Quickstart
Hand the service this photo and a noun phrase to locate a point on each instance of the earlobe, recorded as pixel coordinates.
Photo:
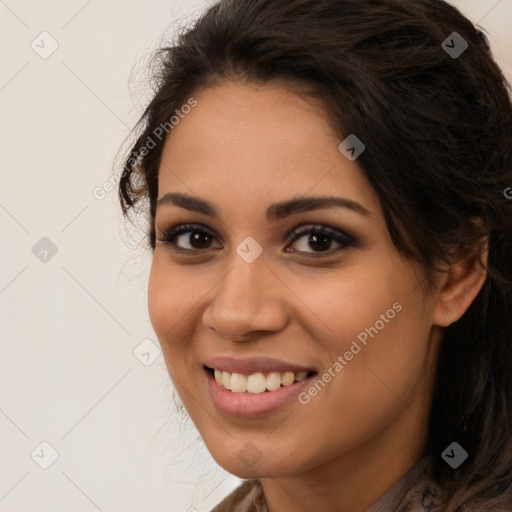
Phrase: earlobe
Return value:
(459, 289)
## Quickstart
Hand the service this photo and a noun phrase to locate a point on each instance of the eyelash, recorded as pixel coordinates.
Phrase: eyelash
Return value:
(344, 239)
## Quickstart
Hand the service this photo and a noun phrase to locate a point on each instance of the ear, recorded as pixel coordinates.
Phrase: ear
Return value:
(459, 287)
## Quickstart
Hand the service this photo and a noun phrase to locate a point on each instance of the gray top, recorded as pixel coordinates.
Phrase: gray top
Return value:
(412, 493)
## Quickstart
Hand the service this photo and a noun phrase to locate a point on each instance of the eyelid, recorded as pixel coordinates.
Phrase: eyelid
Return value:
(320, 229)
(337, 235)
(170, 233)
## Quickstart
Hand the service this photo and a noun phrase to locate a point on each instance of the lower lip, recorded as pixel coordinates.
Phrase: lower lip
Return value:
(250, 405)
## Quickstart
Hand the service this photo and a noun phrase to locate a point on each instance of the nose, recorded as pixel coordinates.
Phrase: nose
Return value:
(249, 301)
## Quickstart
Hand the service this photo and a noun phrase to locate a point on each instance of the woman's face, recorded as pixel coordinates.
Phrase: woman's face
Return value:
(238, 291)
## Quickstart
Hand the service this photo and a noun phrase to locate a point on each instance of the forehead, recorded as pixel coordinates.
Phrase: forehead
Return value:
(260, 141)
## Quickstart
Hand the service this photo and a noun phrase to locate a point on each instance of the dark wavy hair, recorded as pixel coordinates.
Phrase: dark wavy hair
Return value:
(438, 136)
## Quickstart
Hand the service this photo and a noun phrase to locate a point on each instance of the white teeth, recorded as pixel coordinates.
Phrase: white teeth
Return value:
(300, 376)
(288, 378)
(226, 380)
(238, 382)
(256, 382)
(273, 381)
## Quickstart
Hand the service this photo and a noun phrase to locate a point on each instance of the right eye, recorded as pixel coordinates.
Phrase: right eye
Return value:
(188, 238)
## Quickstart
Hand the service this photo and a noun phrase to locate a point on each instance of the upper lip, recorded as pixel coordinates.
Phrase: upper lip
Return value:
(253, 365)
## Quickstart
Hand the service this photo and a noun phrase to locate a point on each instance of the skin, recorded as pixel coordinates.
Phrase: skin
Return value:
(242, 148)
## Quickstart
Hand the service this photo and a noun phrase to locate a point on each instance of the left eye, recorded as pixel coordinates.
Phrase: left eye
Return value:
(319, 238)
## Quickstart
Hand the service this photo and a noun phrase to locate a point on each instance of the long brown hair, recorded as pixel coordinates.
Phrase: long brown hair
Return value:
(438, 134)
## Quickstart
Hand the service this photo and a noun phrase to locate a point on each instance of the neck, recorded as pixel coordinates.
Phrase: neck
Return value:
(358, 479)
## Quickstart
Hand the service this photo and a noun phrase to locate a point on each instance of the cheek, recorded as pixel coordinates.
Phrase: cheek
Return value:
(377, 321)
(348, 301)
(170, 303)
(160, 301)
(171, 300)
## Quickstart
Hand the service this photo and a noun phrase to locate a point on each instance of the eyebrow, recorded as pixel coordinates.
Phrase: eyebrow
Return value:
(275, 211)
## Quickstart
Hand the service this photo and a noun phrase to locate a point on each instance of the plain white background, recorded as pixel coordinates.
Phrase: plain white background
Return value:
(72, 319)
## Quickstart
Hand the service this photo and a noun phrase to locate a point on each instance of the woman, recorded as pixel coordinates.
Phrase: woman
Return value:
(332, 242)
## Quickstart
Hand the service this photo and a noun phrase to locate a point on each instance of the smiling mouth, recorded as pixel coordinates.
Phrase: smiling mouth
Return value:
(258, 382)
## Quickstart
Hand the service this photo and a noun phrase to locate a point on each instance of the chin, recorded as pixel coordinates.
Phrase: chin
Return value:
(248, 462)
